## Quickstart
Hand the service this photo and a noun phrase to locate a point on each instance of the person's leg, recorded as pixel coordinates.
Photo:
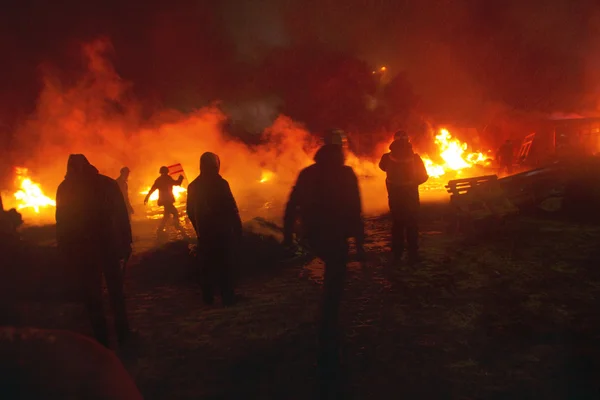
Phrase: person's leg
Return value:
(164, 220)
(114, 284)
(91, 284)
(398, 238)
(226, 282)
(335, 258)
(173, 211)
(207, 274)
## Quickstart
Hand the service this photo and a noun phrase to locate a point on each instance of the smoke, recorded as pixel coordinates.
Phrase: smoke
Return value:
(98, 116)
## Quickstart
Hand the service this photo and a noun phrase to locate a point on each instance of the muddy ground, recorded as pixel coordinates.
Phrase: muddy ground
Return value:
(510, 314)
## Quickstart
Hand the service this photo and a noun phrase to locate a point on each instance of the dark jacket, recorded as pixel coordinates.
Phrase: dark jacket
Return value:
(164, 184)
(91, 215)
(326, 198)
(403, 167)
(122, 182)
(212, 209)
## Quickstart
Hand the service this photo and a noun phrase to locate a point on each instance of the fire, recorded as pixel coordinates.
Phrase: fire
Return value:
(266, 176)
(177, 193)
(455, 156)
(30, 194)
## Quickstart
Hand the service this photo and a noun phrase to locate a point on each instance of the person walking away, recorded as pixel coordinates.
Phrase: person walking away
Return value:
(214, 214)
(405, 171)
(164, 184)
(326, 199)
(93, 234)
(505, 157)
(123, 185)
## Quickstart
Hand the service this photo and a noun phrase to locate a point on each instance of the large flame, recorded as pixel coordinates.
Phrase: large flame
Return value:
(30, 194)
(454, 154)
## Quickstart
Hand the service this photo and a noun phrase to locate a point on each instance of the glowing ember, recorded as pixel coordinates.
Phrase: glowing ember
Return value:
(455, 156)
(266, 176)
(177, 193)
(30, 195)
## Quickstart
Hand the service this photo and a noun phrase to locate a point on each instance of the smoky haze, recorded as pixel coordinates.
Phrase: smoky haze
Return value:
(464, 62)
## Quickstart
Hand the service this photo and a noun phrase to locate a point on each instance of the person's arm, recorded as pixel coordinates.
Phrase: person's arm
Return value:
(178, 182)
(121, 215)
(60, 217)
(383, 163)
(190, 207)
(232, 211)
(291, 211)
(355, 208)
(152, 190)
(421, 174)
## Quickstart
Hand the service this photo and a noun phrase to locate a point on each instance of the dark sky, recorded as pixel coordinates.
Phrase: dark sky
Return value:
(532, 55)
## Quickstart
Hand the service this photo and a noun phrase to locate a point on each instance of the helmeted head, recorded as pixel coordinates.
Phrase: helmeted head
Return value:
(401, 135)
(163, 170)
(125, 172)
(210, 164)
(335, 136)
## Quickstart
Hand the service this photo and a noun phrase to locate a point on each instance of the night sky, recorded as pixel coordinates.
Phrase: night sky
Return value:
(458, 56)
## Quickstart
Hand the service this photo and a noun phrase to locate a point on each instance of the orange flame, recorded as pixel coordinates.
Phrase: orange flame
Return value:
(30, 194)
(455, 156)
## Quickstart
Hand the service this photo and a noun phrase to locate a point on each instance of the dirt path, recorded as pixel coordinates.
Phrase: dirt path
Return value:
(509, 315)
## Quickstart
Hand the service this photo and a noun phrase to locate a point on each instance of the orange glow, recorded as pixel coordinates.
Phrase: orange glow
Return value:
(454, 154)
(266, 176)
(30, 194)
(72, 118)
(177, 193)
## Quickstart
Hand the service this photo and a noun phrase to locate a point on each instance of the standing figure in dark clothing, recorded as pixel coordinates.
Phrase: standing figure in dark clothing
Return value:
(122, 181)
(326, 199)
(215, 217)
(505, 157)
(164, 184)
(405, 172)
(93, 234)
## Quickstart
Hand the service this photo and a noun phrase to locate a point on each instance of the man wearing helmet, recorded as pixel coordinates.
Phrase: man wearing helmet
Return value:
(214, 214)
(122, 181)
(326, 198)
(164, 184)
(405, 172)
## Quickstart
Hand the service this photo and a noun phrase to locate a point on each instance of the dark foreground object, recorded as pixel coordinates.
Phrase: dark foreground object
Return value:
(49, 364)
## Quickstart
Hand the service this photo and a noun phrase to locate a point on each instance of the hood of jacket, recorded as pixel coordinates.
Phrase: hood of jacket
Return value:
(79, 166)
(330, 154)
(210, 164)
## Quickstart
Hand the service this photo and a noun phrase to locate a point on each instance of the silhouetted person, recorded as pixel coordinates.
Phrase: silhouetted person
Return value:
(93, 234)
(164, 184)
(52, 364)
(122, 181)
(505, 157)
(215, 217)
(405, 172)
(326, 198)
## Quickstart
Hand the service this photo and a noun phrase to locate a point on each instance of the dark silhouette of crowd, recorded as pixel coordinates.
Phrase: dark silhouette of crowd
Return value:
(94, 236)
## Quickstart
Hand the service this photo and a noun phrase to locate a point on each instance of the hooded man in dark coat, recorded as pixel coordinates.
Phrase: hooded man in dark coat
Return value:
(326, 199)
(405, 172)
(93, 235)
(213, 212)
